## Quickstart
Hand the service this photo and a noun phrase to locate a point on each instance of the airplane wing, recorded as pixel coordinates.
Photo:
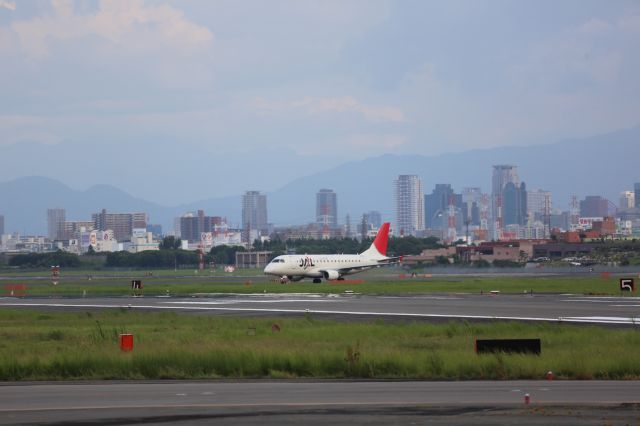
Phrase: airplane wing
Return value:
(386, 261)
(390, 260)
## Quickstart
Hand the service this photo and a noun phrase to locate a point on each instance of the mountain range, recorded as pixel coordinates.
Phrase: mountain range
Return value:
(600, 165)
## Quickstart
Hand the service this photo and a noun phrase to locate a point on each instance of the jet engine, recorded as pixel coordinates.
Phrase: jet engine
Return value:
(331, 275)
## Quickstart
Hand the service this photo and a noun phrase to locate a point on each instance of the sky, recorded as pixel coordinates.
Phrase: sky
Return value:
(176, 101)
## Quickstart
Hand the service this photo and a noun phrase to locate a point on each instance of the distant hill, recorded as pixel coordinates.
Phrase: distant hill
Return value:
(601, 165)
(24, 202)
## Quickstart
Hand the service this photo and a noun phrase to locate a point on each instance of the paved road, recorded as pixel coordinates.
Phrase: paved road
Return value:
(564, 308)
(276, 402)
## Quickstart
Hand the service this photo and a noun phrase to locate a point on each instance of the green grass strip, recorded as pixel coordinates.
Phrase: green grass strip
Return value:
(42, 345)
(187, 285)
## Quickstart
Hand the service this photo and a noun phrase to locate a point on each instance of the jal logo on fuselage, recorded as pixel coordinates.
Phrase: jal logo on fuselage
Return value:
(306, 262)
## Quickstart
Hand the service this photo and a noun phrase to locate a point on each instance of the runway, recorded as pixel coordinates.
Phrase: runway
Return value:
(526, 307)
(278, 402)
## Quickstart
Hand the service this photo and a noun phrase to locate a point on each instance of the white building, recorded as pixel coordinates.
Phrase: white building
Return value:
(627, 200)
(409, 200)
(141, 240)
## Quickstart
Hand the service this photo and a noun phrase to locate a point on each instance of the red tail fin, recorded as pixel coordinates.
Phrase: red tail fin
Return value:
(382, 239)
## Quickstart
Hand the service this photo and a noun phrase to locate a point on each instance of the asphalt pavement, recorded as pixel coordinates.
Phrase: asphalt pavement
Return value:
(525, 307)
(317, 402)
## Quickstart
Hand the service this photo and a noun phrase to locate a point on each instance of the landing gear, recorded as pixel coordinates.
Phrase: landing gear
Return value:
(340, 278)
(317, 280)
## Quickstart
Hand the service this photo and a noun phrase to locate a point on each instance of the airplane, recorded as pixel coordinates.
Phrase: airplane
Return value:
(332, 266)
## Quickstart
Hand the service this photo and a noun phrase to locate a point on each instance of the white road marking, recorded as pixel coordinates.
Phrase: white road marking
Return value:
(233, 302)
(605, 320)
(601, 320)
(611, 300)
(420, 297)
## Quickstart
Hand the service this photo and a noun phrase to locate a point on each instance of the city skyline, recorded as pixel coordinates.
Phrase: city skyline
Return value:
(526, 217)
(540, 208)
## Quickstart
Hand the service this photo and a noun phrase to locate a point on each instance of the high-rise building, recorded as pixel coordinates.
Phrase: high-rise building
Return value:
(538, 204)
(122, 224)
(1, 224)
(502, 175)
(327, 211)
(193, 225)
(596, 206)
(515, 204)
(409, 200)
(254, 215)
(471, 200)
(627, 200)
(189, 230)
(55, 223)
(636, 190)
(436, 206)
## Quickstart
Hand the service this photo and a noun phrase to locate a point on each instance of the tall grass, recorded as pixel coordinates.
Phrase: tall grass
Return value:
(61, 346)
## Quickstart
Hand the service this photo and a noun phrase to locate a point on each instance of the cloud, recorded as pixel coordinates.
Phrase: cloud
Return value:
(630, 24)
(7, 4)
(131, 26)
(313, 105)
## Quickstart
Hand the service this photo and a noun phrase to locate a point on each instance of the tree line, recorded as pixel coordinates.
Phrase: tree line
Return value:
(397, 246)
(170, 255)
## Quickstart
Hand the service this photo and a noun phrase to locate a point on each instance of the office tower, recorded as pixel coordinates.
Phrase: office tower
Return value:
(254, 215)
(55, 223)
(436, 207)
(409, 199)
(189, 229)
(636, 190)
(1, 224)
(538, 204)
(193, 225)
(627, 200)
(502, 175)
(515, 204)
(122, 224)
(327, 210)
(596, 206)
(471, 199)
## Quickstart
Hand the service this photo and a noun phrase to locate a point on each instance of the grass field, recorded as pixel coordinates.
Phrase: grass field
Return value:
(37, 345)
(163, 283)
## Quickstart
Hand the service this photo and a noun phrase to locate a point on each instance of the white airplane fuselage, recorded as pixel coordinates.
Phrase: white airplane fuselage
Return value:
(319, 265)
(332, 266)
